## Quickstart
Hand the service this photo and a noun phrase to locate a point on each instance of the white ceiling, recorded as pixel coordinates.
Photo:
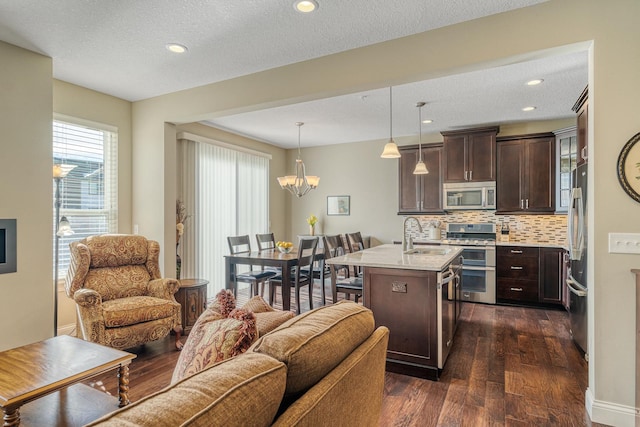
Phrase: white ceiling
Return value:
(118, 47)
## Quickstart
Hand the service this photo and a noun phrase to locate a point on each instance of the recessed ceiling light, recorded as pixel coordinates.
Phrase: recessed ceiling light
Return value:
(305, 6)
(534, 82)
(528, 108)
(176, 48)
(427, 121)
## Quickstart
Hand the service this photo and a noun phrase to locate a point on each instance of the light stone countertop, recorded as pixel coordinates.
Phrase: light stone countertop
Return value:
(391, 256)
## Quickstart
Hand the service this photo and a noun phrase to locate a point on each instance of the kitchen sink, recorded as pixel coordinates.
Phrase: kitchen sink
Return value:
(428, 251)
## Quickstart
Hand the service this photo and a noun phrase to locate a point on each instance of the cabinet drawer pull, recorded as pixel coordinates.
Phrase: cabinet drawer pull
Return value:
(516, 289)
(516, 267)
(399, 287)
(515, 251)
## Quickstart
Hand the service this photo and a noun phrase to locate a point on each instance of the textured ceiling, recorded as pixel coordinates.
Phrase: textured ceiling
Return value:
(118, 47)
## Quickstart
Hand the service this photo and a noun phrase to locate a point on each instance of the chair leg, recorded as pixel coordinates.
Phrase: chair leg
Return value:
(297, 299)
(178, 331)
(311, 293)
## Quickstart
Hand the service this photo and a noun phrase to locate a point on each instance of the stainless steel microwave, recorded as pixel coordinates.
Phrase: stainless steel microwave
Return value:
(469, 195)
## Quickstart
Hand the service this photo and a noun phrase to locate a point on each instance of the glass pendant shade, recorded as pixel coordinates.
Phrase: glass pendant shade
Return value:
(64, 227)
(421, 168)
(390, 150)
(299, 184)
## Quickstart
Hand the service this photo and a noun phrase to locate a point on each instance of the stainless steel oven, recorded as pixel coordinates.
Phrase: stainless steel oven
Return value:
(479, 260)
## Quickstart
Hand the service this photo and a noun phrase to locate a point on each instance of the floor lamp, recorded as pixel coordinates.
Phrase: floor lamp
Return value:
(63, 228)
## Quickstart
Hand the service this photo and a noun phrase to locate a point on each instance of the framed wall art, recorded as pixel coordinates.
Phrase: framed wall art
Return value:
(629, 167)
(338, 205)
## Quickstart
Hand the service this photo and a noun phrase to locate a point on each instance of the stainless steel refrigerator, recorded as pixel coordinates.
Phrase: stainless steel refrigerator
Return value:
(577, 239)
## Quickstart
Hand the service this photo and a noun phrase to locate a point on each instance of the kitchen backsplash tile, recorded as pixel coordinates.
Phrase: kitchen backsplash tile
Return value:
(545, 229)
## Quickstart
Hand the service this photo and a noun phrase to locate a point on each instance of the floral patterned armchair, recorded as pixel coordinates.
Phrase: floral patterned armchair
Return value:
(121, 299)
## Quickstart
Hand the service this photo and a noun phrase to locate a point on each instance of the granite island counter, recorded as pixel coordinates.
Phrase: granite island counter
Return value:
(416, 294)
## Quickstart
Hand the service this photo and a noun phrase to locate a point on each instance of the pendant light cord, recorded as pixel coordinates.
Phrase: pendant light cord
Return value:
(420, 130)
(299, 124)
(390, 114)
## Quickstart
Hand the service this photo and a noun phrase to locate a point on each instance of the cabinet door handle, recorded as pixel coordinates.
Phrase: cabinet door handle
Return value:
(466, 173)
(521, 203)
(527, 204)
(516, 289)
(470, 175)
(516, 267)
(515, 251)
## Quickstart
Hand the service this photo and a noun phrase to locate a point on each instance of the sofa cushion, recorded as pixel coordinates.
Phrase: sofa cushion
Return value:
(130, 311)
(314, 343)
(257, 304)
(213, 339)
(113, 250)
(242, 391)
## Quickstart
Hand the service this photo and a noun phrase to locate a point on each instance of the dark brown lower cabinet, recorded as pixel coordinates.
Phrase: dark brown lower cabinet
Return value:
(530, 275)
(405, 301)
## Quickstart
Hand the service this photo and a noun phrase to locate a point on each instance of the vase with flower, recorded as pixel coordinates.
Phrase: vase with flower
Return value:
(181, 218)
(312, 220)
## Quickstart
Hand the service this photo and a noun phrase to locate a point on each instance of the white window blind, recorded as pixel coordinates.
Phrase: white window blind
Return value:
(228, 192)
(89, 193)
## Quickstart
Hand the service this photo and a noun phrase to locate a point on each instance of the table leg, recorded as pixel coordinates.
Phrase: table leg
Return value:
(286, 287)
(230, 274)
(123, 385)
(11, 417)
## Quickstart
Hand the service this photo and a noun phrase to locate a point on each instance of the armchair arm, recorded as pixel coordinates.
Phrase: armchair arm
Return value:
(163, 288)
(89, 304)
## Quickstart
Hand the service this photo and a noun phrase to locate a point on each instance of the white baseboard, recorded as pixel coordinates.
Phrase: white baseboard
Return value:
(67, 329)
(611, 414)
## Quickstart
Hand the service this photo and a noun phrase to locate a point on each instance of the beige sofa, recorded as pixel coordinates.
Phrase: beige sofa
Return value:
(324, 367)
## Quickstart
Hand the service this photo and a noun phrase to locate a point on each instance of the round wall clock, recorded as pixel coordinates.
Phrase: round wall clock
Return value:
(629, 167)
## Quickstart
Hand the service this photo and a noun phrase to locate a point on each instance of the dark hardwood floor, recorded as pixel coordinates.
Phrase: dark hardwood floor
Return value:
(509, 366)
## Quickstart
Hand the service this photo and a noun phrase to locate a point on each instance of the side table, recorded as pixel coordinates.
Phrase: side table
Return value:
(192, 297)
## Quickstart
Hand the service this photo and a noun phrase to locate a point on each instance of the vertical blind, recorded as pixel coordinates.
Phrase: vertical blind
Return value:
(228, 191)
(89, 193)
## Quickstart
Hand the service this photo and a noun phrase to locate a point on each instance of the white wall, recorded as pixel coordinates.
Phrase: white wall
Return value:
(610, 28)
(26, 186)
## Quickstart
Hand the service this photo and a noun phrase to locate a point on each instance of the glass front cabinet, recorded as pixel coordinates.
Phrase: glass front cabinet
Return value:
(567, 150)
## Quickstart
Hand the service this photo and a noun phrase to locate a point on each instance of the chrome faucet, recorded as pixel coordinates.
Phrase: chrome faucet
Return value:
(408, 245)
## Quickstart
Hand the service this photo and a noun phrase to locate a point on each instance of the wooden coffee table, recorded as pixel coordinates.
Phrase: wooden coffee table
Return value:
(35, 370)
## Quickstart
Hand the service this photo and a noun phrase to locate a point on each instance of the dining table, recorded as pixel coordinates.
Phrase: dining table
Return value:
(270, 258)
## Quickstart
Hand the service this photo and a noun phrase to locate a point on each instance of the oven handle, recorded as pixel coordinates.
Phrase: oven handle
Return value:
(465, 267)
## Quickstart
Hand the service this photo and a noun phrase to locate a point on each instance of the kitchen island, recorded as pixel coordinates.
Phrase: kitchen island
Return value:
(415, 294)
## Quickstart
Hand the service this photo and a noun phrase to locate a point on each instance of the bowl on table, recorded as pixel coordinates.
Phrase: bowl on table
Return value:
(284, 250)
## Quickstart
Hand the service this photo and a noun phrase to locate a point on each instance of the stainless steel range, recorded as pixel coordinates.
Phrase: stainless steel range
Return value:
(479, 259)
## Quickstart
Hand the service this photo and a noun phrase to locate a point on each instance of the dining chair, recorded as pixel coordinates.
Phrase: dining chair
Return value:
(321, 269)
(347, 285)
(241, 245)
(306, 256)
(355, 244)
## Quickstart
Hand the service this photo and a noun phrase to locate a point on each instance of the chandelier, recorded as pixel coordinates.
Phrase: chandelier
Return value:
(299, 184)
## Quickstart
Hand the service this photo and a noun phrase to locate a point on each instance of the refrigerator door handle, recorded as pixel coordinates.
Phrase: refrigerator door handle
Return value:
(579, 290)
(575, 232)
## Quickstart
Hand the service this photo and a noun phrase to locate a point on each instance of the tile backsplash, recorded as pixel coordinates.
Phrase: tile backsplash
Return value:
(551, 229)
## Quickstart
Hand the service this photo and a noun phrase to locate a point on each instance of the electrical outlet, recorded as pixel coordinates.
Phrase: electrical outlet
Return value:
(624, 243)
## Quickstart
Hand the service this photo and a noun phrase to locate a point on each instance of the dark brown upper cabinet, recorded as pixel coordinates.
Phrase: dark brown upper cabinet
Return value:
(581, 108)
(526, 174)
(419, 194)
(470, 155)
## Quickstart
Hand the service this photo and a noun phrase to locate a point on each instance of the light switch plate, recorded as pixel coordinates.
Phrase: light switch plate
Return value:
(135, 228)
(624, 243)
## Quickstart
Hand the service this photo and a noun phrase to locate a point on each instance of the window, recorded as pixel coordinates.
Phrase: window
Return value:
(89, 193)
(566, 147)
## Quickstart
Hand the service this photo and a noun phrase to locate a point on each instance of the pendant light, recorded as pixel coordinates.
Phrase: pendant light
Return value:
(421, 168)
(390, 149)
(299, 184)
